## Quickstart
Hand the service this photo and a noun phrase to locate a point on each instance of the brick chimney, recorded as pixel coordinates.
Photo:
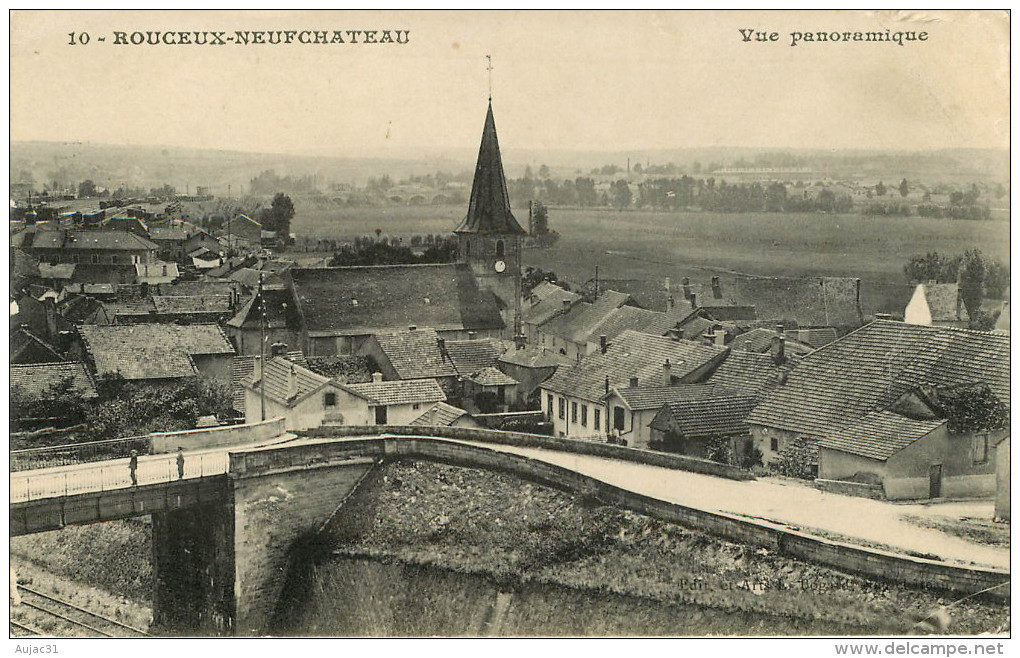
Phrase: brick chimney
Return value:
(667, 373)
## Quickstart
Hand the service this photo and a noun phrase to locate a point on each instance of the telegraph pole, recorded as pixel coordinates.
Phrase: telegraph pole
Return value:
(262, 347)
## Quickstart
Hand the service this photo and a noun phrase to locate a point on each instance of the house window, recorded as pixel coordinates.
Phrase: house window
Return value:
(584, 415)
(550, 407)
(94, 259)
(416, 405)
(981, 449)
(380, 415)
(500, 249)
(598, 418)
(618, 418)
(113, 259)
(573, 412)
(563, 409)
(774, 445)
(329, 399)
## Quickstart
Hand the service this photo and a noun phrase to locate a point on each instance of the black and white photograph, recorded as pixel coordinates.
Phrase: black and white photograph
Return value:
(510, 324)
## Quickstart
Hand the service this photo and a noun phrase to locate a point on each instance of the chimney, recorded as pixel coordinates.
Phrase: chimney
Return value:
(719, 337)
(292, 389)
(694, 300)
(716, 288)
(566, 304)
(376, 377)
(687, 288)
(432, 415)
(144, 288)
(779, 349)
(603, 345)
(780, 329)
(278, 349)
(667, 373)
(670, 303)
(932, 282)
(883, 316)
(50, 305)
(633, 382)
(607, 383)
(472, 335)
(412, 328)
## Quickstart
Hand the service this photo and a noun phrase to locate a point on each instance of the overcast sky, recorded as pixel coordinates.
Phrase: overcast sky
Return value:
(573, 80)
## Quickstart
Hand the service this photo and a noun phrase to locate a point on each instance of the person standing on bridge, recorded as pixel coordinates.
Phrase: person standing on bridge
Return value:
(133, 467)
(180, 463)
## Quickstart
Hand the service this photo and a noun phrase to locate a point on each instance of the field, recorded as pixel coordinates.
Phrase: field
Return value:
(650, 246)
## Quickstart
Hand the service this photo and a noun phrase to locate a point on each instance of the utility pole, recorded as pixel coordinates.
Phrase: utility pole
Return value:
(262, 347)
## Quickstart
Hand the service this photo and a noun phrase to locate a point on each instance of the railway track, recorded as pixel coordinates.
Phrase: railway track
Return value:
(69, 619)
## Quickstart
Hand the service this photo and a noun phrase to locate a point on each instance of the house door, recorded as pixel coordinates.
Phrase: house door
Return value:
(380, 415)
(935, 481)
(618, 418)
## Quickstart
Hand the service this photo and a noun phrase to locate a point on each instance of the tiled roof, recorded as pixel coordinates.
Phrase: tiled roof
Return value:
(405, 391)
(816, 301)
(341, 300)
(550, 303)
(870, 368)
(281, 310)
(415, 354)
(535, 357)
(290, 383)
(711, 417)
(470, 356)
(151, 351)
(632, 354)
(445, 415)
(943, 302)
(748, 373)
(728, 312)
(104, 240)
(249, 278)
(219, 304)
(26, 346)
(878, 435)
(195, 288)
(37, 380)
(619, 320)
(577, 324)
(157, 270)
(816, 337)
(492, 377)
(129, 307)
(242, 369)
(694, 327)
(755, 340)
(641, 398)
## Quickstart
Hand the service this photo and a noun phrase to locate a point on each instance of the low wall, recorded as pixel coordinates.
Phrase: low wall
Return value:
(212, 437)
(845, 557)
(845, 488)
(519, 439)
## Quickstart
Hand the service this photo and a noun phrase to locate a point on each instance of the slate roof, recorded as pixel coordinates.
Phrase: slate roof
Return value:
(943, 302)
(445, 415)
(405, 391)
(642, 398)
(415, 354)
(577, 324)
(878, 435)
(490, 376)
(392, 297)
(631, 354)
(37, 380)
(489, 206)
(470, 356)
(748, 373)
(710, 417)
(868, 369)
(535, 357)
(151, 351)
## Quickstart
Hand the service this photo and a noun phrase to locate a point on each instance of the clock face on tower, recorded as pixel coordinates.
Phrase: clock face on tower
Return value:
(500, 266)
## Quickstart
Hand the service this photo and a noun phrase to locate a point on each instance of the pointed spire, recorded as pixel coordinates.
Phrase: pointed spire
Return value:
(489, 209)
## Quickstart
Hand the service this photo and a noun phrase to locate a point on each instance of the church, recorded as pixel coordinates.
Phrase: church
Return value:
(334, 311)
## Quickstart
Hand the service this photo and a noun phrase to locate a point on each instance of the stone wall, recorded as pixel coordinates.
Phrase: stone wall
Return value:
(212, 437)
(845, 488)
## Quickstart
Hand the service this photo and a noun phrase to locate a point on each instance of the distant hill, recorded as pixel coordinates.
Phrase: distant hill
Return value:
(151, 166)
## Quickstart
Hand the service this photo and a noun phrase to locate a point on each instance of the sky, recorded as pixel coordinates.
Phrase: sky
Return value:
(571, 80)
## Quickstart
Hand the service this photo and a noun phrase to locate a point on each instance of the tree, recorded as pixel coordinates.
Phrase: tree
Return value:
(932, 267)
(972, 281)
(277, 217)
(87, 188)
(973, 409)
(540, 218)
(904, 188)
(543, 171)
(880, 189)
(621, 194)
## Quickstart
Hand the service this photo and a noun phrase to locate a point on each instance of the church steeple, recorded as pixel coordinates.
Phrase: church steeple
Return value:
(489, 209)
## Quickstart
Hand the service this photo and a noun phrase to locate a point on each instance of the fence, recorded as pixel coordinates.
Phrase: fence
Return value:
(114, 474)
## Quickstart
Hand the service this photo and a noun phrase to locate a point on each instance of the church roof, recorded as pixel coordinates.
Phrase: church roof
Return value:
(489, 208)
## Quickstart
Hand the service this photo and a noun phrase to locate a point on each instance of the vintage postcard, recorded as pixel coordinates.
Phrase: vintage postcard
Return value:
(502, 324)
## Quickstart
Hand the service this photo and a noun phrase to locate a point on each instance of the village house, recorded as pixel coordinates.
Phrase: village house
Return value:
(339, 308)
(170, 241)
(499, 389)
(399, 402)
(105, 248)
(442, 414)
(573, 398)
(154, 352)
(273, 315)
(40, 381)
(412, 354)
(242, 232)
(547, 300)
(571, 332)
(690, 426)
(937, 304)
(472, 355)
(637, 404)
(156, 273)
(530, 367)
(859, 404)
(304, 399)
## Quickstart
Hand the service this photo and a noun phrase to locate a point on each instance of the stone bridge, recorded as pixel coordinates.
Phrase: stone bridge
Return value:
(225, 533)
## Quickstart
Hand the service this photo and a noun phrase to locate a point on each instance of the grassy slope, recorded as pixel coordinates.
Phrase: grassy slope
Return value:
(514, 533)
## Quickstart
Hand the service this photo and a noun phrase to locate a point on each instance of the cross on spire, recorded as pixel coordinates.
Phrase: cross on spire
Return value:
(489, 69)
